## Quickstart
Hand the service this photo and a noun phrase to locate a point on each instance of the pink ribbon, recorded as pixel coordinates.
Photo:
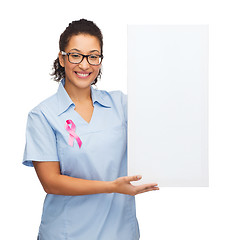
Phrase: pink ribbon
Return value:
(72, 133)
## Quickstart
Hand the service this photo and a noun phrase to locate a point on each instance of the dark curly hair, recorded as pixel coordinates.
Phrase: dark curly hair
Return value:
(74, 28)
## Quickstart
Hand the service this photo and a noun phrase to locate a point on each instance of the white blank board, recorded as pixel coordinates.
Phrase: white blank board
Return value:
(168, 104)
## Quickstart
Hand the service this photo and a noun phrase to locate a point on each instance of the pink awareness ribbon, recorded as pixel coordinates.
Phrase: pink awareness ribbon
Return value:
(72, 133)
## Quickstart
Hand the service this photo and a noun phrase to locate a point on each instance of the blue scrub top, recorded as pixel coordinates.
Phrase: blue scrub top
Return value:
(102, 156)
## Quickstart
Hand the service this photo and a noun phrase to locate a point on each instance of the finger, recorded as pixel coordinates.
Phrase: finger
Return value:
(148, 190)
(133, 178)
(146, 186)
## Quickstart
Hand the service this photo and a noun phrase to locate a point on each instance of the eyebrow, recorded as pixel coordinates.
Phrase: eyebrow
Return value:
(75, 49)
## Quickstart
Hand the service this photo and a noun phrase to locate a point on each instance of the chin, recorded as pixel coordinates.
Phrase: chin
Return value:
(82, 84)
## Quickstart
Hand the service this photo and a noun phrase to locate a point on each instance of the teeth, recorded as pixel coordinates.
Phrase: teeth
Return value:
(82, 75)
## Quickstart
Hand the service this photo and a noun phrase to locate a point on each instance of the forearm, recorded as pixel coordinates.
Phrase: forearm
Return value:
(54, 182)
(66, 185)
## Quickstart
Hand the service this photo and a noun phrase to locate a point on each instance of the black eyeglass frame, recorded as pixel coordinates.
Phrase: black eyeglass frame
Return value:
(84, 56)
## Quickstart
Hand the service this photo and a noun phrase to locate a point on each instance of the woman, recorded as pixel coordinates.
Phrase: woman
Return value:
(77, 143)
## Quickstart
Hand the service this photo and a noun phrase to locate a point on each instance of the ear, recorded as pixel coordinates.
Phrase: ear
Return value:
(61, 59)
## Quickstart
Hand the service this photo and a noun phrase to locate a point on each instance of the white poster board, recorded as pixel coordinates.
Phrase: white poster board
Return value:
(168, 104)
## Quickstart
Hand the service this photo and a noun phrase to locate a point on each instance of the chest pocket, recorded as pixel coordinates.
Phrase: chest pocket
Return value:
(100, 156)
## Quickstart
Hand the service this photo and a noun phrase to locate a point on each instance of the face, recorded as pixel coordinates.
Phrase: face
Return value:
(80, 75)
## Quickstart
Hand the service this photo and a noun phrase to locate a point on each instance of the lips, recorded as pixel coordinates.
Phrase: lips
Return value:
(82, 74)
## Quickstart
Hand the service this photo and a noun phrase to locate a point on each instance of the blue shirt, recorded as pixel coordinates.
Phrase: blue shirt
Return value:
(102, 156)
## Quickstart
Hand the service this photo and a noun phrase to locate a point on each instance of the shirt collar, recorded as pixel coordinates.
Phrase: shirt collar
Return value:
(64, 101)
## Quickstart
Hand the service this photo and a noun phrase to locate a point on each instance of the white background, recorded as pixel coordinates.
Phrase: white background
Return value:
(29, 43)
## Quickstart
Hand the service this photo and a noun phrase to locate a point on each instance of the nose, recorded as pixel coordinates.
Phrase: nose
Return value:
(84, 64)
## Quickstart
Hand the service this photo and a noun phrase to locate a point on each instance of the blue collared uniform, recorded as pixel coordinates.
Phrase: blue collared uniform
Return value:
(102, 156)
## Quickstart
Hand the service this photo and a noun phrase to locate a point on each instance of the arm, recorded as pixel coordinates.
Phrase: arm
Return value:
(55, 183)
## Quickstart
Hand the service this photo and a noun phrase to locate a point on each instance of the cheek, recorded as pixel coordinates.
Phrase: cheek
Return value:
(96, 70)
(68, 68)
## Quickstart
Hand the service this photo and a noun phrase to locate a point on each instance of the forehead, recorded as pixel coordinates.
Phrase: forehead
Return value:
(84, 43)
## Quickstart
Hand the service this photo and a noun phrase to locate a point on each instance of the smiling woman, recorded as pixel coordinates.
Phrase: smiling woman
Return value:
(83, 27)
(77, 142)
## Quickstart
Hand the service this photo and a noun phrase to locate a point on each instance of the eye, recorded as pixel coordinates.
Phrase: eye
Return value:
(94, 56)
(75, 55)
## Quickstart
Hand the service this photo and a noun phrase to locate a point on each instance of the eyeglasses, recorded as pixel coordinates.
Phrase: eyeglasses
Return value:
(93, 59)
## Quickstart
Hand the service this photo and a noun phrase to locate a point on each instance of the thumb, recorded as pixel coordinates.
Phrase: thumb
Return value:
(134, 178)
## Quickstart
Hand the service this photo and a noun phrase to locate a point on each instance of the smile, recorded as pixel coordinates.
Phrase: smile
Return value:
(82, 75)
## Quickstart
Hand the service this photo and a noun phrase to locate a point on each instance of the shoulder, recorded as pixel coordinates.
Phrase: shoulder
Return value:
(115, 97)
(41, 117)
(47, 106)
(117, 100)
(117, 94)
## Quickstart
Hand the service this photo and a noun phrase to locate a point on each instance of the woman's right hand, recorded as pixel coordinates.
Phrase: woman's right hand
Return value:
(123, 185)
(54, 182)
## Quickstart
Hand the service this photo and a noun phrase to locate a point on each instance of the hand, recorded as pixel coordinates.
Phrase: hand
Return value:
(123, 185)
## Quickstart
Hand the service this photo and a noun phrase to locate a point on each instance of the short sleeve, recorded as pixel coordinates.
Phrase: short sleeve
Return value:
(125, 106)
(40, 139)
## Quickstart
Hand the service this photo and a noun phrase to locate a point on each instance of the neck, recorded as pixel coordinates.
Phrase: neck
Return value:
(78, 95)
